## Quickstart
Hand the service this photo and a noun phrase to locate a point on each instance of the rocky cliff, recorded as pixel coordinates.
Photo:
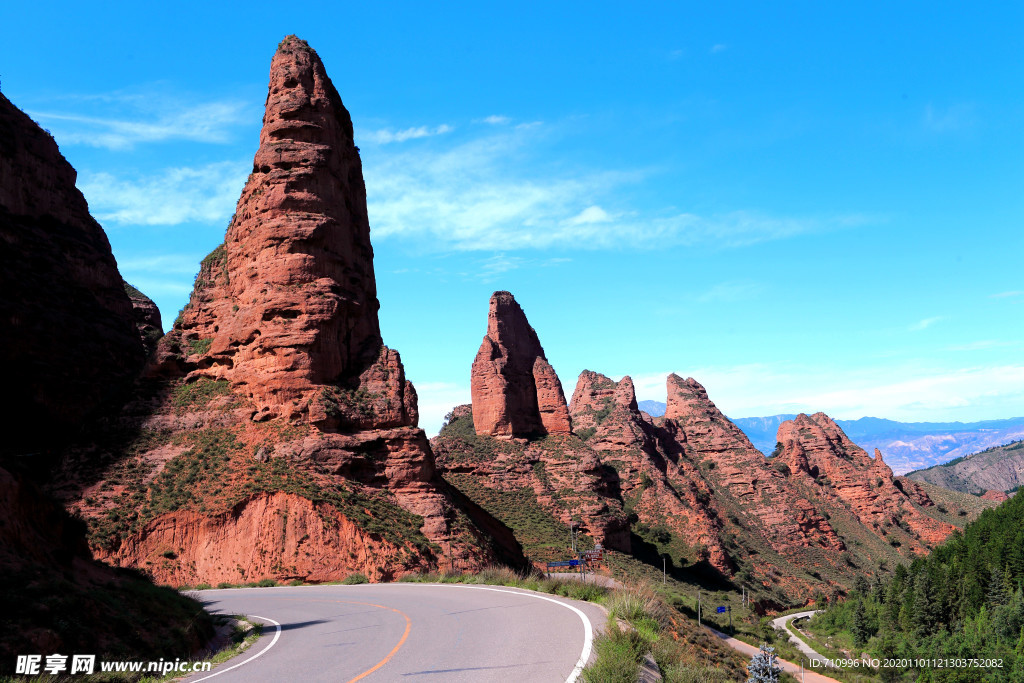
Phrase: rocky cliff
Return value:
(275, 435)
(512, 450)
(820, 455)
(515, 390)
(69, 344)
(71, 351)
(147, 318)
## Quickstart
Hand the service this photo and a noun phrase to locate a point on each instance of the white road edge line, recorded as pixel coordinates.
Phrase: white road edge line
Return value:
(588, 629)
(273, 642)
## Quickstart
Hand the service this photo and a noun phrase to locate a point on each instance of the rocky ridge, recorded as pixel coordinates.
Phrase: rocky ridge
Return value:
(1000, 468)
(819, 454)
(691, 484)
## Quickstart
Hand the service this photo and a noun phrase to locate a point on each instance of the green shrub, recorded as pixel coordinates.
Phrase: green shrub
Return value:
(619, 652)
(353, 579)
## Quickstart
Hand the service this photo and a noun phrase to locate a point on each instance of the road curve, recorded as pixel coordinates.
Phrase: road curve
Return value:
(802, 674)
(782, 622)
(405, 632)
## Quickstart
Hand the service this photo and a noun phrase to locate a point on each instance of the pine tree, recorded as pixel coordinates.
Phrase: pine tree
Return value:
(859, 627)
(763, 667)
(996, 594)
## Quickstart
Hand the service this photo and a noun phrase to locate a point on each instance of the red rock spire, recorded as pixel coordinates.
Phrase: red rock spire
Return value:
(515, 390)
(290, 301)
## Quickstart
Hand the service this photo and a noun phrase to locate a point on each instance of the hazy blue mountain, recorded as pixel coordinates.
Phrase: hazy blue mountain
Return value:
(906, 446)
(652, 408)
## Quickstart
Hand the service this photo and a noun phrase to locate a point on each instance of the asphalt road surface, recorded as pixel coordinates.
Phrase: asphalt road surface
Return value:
(407, 632)
(781, 623)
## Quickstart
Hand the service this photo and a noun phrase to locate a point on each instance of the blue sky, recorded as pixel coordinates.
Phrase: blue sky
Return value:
(806, 206)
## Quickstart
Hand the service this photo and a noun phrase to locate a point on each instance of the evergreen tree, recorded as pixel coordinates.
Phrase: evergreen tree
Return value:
(764, 667)
(859, 626)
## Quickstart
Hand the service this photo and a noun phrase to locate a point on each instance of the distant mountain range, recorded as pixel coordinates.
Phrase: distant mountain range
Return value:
(995, 469)
(906, 446)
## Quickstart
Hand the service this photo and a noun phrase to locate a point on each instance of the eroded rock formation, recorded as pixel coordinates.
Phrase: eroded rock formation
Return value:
(817, 451)
(71, 351)
(515, 390)
(282, 398)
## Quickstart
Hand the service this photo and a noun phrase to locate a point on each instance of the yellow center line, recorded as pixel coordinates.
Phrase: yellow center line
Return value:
(394, 650)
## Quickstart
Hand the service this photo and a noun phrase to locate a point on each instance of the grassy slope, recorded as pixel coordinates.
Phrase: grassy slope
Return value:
(961, 474)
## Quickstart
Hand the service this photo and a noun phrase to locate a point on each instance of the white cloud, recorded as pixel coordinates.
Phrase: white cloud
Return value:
(495, 120)
(1006, 295)
(476, 196)
(981, 345)
(926, 323)
(386, 136)
(718, 47)
(589, 216)
(156, 119)
(173, 196)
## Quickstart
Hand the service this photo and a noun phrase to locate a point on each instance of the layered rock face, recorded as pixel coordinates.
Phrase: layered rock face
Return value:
(515, 390)
(289, 303)
(69, 344)
(280, 398)
(708, 437)
(816, 450)
(668, 490)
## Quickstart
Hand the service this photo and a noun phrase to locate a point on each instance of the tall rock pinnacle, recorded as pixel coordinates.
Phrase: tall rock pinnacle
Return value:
(289, 302)
(515, 390)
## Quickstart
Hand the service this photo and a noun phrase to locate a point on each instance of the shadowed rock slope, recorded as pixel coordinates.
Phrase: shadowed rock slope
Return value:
(71, 349)
(275, 435)
(68, 341)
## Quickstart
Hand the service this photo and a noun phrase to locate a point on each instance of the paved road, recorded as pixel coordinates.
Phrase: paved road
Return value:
(781, 622)
(406, 632)
(801, 673)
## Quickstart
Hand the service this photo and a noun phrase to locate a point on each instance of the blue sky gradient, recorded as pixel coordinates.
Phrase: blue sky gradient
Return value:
(806, 206)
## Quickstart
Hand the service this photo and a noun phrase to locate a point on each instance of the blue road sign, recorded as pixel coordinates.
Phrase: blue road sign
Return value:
(567, 563)
(720, 610)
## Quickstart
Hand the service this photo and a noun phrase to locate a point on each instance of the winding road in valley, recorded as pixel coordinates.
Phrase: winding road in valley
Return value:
(407, 632)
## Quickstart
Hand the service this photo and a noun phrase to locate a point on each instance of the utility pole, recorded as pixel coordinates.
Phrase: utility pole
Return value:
(730, 620)
(698, 607)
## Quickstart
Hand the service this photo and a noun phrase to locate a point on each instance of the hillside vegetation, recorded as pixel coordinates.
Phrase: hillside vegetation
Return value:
(964, 600)
(1000, 468)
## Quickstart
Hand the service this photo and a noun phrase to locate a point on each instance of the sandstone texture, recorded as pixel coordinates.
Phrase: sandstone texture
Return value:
(515, 390)
(288, 304)
(817, 452)
(274, 397)
(69, 343)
